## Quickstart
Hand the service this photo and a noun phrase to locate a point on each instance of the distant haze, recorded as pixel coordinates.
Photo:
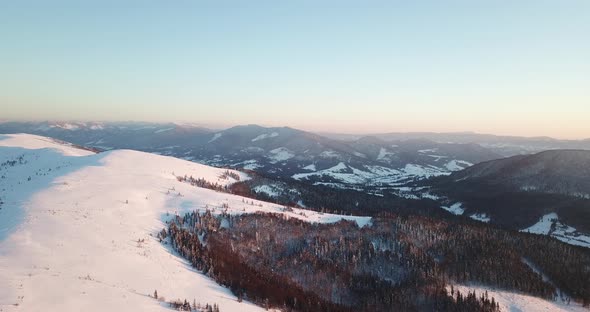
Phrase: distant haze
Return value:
(501, 67)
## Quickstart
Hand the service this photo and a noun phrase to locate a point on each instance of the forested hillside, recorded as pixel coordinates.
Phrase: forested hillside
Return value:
(399, 263)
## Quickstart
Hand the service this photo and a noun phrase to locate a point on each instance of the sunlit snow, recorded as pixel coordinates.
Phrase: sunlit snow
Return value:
(71, 231)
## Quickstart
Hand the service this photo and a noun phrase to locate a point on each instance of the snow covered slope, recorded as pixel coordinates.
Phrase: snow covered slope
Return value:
(76, 228)
(514, 302)
(549, 224)
(29, 141)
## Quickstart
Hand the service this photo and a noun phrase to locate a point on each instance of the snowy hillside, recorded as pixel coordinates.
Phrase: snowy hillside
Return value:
(77, 229)
(514, 302)
(549, 224)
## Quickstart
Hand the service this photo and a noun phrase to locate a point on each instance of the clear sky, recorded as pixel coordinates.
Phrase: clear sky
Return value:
(504, 67)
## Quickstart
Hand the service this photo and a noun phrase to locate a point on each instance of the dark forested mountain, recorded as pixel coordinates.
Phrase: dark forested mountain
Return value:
(396, 264)
(557, 171)
(520, 190)
(278, 152)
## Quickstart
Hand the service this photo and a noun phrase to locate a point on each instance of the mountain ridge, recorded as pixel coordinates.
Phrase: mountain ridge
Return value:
(282, 152)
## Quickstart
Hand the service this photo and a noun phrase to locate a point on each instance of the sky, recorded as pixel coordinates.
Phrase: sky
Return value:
(501, 67)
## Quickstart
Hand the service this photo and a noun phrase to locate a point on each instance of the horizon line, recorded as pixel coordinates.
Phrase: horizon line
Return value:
(219, 127)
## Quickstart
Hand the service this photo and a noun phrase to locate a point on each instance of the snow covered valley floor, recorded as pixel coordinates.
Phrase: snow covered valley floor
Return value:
(77, 228)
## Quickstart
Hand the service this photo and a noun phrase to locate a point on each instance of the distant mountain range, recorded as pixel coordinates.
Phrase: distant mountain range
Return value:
(503, 145)
(276, 152)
